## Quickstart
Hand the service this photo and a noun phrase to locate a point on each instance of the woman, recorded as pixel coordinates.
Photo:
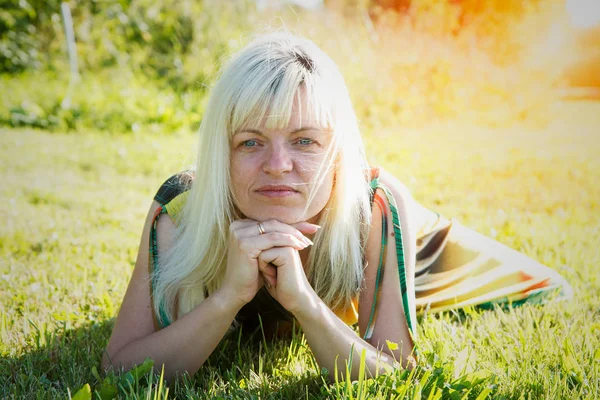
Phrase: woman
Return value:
(282, 218)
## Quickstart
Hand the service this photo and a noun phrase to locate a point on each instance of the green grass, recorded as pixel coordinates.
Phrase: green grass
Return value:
(74, 206)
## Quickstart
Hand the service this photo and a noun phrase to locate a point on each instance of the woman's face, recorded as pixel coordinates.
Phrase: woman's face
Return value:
(274, 170)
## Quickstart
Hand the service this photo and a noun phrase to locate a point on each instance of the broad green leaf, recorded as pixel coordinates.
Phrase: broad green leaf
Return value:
(108, 391)
(96, 374)
(134, 375)
(143, 369)
(85, 393)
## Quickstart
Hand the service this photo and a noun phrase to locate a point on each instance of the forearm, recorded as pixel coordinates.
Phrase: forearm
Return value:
(330, 338)
(187, 343)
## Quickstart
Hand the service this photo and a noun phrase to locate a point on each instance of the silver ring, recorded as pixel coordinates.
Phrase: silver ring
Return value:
(261, 228)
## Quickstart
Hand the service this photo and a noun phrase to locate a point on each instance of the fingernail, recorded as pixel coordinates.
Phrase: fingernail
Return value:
(308, 241)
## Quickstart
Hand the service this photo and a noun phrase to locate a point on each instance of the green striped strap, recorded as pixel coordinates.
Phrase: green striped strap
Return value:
(400, 257)
(163, 321)
(380, 271)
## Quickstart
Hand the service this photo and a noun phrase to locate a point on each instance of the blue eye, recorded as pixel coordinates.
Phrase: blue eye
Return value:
(305, 142)
(249, 143)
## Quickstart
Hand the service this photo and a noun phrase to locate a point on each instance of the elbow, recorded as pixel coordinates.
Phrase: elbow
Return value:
(112, 359)
(115, 357)
(106, 363)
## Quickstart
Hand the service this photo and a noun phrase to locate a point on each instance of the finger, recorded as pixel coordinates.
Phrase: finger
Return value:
(276, 256)
(241, 224)
(271, 226)
(302, 227)
(269, 273)
(247, 231)
(306, 227)
(254, 245)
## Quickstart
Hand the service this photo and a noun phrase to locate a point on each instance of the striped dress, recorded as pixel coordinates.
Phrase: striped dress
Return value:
(455, 266)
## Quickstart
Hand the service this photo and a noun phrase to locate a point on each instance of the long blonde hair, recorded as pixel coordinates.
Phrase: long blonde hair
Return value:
(266, 77)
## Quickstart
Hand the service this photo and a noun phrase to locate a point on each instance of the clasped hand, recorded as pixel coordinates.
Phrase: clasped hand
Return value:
(254, 259)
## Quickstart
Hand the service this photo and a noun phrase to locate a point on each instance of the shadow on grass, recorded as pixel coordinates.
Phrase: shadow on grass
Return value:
(54, 361)
(248, 364)
(243, 365)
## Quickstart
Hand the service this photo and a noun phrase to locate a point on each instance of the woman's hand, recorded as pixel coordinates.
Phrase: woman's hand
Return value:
(242, 277)
(291, 289)
(285, 276)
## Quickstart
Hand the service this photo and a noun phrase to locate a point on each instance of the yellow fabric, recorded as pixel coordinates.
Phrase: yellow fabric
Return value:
(350, 314)
(175, 206)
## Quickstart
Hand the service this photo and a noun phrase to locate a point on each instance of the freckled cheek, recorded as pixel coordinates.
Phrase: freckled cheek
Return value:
(307, 165)
(238, 189)
(243, 176)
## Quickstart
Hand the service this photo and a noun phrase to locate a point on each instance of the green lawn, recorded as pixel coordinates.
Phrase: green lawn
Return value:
(74, 206)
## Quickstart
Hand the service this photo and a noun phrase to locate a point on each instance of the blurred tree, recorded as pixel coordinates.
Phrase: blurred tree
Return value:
(27, 29)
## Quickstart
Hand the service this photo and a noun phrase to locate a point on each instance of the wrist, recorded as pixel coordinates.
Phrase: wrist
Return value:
(308, 309)
(227, 300)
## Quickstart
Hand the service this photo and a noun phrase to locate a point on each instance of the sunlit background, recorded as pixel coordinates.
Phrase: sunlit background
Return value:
(147, 66)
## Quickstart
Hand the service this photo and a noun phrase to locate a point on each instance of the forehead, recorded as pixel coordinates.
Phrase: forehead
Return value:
(304, 111)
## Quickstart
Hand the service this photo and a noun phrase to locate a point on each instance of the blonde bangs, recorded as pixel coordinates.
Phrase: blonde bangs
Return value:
(270, 93)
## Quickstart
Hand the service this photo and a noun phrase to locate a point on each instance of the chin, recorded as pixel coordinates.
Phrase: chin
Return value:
(286, 216)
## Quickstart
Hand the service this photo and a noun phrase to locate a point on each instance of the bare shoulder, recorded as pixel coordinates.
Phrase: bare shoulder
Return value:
(135, 319)
(399, 190)
(416, 213)
(409, 209)
(391, 323)
(404, 205)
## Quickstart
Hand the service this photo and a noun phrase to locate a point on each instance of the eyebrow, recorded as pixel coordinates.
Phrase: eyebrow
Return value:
(258, 132)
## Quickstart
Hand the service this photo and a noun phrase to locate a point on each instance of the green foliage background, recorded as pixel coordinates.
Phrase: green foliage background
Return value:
(147, 65)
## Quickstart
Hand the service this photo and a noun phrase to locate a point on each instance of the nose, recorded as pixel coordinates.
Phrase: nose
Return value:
(278, 160)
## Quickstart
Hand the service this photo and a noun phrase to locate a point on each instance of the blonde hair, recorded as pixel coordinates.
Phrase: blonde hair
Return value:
(266, 77)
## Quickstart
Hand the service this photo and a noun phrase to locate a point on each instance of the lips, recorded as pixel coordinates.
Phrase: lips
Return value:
(276, 191)
(276, 188)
